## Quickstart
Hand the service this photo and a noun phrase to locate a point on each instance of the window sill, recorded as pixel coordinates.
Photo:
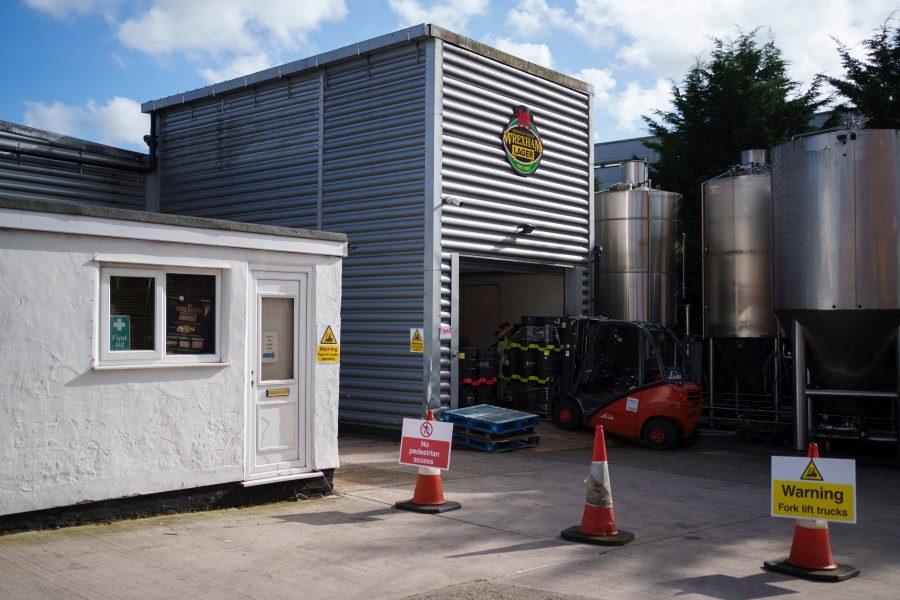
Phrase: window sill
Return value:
(160, 365)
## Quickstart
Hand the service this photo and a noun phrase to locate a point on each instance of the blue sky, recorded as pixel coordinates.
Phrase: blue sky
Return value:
(83, 67)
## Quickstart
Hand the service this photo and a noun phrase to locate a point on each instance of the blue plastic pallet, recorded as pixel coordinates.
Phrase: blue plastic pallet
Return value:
(492, 419)
(507, 445)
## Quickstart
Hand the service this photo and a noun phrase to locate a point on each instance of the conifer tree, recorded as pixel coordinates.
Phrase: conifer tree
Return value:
(741, 98)
(872, 85)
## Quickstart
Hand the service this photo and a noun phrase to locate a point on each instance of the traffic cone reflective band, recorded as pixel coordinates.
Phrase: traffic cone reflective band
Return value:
(598, 524)
(810, 555)
(428, 496)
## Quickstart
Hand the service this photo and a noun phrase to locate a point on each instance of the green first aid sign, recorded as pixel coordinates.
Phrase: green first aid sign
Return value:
(119, 332)
(814, 488)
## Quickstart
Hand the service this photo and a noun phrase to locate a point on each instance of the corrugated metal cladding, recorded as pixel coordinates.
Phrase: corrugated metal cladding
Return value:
(479, 95)
(39, 165)
(339, 148)
(478, 98)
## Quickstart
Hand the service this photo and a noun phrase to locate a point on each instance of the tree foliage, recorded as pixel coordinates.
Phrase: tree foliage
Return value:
(739, 99)
(872, 85)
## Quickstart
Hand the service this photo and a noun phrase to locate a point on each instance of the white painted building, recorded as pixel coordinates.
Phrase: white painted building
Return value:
(144, 353)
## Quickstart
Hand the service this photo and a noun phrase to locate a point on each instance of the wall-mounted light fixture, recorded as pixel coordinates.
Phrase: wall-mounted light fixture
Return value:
(525, 229)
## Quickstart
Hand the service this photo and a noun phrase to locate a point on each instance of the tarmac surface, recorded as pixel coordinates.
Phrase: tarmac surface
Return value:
(701, 520)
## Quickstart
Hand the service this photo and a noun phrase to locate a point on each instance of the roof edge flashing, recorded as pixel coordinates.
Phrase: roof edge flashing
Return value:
(415, 33)
(383, 42)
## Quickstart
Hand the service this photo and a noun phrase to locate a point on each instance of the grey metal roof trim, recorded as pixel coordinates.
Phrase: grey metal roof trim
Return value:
(404, 36)
(102, 212)
(22, 138)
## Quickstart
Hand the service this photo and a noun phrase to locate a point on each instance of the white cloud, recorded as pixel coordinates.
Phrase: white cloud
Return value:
(64, 9)
(213, 27)
(539, 54)
(628, 108)
(119, 122)
(603, 81)
(664, 38)
(240, 66)
(618, 113)
(535, 18)
(647, 45)
(452, 14)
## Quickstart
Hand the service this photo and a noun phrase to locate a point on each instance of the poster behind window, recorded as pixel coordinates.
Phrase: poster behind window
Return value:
(189, 322)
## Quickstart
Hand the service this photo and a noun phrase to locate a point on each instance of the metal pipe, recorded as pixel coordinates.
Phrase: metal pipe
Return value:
(712, 385)
(687, 320)
(819, 393)
(776, 370)
(897, 404)
(801, 412)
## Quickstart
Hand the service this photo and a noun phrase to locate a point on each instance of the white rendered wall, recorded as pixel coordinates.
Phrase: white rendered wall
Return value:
(70, 433)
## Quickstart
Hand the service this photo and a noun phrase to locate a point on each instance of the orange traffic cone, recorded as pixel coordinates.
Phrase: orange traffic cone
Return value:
(598, 525)
(428, 497)
(810, 555)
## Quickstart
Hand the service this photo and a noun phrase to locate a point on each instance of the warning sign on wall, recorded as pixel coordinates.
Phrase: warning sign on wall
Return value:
(329, 346)
(416, 342)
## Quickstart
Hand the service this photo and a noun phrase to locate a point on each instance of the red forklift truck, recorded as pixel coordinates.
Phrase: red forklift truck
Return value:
(633, 378)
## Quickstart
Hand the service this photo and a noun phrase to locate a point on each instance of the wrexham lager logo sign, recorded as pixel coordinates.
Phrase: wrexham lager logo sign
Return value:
(522, 142)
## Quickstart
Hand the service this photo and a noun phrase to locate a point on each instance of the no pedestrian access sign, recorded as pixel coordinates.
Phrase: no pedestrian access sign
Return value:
(426, 443)
(814, 488)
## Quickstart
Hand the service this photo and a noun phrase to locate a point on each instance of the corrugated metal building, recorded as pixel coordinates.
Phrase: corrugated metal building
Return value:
(400, 143)
(40, 165)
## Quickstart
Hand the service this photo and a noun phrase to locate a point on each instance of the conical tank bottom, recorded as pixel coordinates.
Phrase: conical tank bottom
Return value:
(747, 358)
(850, 349)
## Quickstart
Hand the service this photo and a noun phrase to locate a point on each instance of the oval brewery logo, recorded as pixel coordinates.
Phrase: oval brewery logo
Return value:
(522, 142)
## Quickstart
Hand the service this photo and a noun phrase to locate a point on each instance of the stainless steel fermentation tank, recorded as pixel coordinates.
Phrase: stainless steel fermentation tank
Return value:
(836, 280)
(737, 285)
(638, 233)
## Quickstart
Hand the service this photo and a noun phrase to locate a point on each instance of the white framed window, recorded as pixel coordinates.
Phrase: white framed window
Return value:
(159, 315)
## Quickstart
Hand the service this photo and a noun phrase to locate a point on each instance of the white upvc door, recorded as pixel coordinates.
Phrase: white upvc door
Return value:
(277, 440)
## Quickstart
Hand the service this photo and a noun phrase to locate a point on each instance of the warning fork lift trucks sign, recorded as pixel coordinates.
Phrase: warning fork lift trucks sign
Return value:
(814, 488)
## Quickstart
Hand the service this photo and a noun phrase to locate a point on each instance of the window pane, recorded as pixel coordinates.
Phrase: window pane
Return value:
(132, 297)
(277, 343)
(190, 314)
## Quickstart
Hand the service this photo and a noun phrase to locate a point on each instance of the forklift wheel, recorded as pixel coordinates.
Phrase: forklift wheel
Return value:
(567, 415)
(660, 434)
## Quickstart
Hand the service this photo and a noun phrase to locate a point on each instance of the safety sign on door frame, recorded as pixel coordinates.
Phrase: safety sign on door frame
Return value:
(814, 488)
(328, 350)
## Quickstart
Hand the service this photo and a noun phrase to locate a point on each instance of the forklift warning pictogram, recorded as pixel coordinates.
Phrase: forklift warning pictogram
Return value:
(328, 337)
(812, 473)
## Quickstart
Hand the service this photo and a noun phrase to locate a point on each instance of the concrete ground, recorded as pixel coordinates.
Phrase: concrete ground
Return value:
(700, 517)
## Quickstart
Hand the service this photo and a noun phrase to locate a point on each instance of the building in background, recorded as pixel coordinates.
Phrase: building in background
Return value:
(461, 174)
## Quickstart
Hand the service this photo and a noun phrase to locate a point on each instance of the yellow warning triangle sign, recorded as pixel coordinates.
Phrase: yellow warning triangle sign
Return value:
(417, 336)
(812, 473)
(328, 336)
